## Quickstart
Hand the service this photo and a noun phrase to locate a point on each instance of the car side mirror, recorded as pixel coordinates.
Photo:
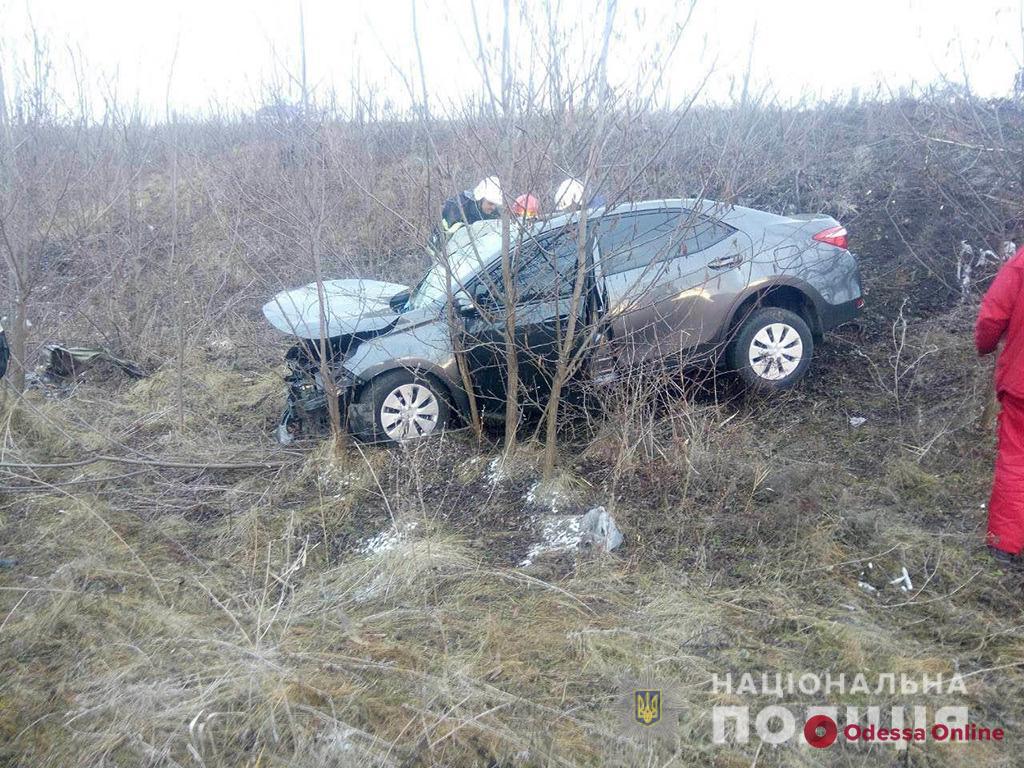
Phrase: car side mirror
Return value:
(398, 301)
(464, 307)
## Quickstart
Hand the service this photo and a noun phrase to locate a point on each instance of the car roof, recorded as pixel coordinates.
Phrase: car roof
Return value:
(535, 228)
(641, 206)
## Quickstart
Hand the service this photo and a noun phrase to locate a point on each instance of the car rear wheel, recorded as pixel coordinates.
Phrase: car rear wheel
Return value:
(399, 406)
(772, 350)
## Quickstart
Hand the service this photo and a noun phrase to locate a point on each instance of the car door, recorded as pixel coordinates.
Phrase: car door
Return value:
(544, 271)
(670, 277)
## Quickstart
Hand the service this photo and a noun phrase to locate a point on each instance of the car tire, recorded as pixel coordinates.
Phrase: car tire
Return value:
(772, 349)
(398, 406)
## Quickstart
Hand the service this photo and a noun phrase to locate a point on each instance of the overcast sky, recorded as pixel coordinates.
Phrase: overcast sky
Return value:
(225, 51)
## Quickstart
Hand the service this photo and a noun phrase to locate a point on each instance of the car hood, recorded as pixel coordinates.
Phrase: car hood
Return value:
(351, 306)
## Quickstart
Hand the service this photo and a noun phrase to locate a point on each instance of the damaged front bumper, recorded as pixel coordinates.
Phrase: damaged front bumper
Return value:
(343, 313)
(306, 410)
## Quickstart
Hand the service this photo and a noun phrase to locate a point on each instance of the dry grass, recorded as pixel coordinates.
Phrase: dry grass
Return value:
(206, 598)
(229, 617)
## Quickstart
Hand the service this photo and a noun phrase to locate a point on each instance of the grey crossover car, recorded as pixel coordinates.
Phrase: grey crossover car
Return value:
(663, 282)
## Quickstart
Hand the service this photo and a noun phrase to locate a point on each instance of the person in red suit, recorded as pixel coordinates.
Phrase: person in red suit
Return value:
(1002, 317)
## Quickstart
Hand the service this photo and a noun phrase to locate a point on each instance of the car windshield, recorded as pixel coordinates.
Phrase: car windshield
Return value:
(469, 250)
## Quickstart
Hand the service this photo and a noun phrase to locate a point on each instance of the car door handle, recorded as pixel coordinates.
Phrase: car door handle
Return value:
(726, 262)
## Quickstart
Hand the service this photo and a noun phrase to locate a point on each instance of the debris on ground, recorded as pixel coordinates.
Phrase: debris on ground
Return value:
(904, 581)
(856, 421)
(5, 353)
(868, 579)
(872, 580)
(494, 468)
(593, 531)
(69, 362)
(599, 531)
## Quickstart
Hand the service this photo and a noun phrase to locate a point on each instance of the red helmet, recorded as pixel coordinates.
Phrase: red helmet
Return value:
(526, 205)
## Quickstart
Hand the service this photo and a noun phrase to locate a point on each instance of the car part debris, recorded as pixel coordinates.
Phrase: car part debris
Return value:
(599, 532)
(870, 580)
(873, 581)
(905, 584)
(594, 531)
(69, 362)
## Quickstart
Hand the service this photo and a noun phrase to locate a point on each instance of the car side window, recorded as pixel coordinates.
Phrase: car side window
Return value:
(544, 270)
(704, 233)
(637, 240)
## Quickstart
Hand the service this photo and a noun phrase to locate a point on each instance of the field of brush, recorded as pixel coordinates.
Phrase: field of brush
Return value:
(177, 589)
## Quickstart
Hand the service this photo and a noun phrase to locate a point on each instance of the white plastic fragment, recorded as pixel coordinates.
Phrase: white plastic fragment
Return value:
(596, 530)
(856, 421)
(904, 581)
(599, 530)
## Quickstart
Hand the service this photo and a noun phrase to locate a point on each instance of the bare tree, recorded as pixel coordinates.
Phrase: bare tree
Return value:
(40, 159)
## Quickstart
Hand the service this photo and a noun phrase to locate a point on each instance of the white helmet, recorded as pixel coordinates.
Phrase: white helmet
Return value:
(489, 189)
(569, 195)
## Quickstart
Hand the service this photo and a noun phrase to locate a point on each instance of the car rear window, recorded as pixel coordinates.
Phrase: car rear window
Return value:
(637, 240)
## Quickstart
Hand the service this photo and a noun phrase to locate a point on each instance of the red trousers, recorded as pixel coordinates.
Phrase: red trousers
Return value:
(1006, 506)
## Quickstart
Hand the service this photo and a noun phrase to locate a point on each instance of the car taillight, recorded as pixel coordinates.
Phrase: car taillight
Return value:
(833, 236)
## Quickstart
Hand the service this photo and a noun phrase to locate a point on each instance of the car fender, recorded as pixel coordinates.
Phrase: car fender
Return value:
(817, 301)
(425, 349)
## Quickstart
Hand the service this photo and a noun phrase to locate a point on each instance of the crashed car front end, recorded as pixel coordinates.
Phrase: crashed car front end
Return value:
(306, 410)
(367, 330)
(353, 311)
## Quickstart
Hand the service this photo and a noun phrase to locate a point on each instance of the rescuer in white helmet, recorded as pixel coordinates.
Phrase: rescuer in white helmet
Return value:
(482, 202)
(569, 197)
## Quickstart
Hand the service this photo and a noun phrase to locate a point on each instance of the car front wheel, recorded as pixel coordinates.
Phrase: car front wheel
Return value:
(398, 406)
(772, 350)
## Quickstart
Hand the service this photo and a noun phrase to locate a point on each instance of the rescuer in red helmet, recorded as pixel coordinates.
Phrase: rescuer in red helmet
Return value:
(526, 207)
